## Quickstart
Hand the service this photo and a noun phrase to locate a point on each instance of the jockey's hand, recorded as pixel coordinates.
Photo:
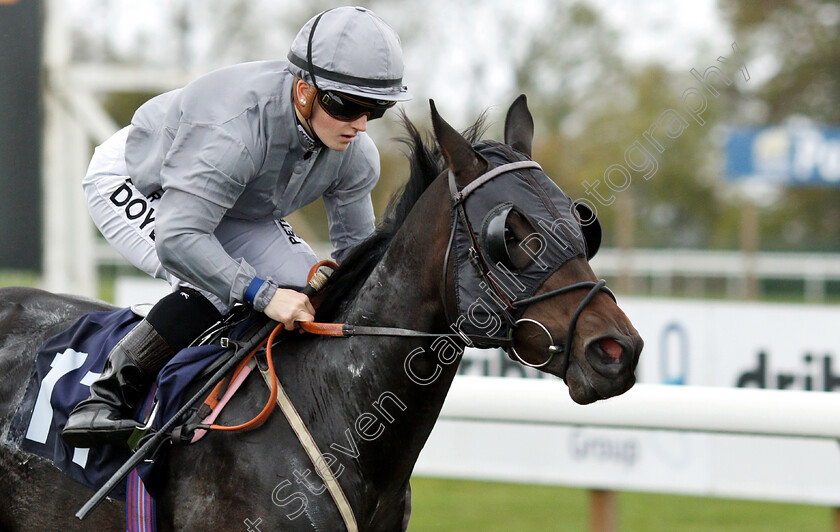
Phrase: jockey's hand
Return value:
(289, 306)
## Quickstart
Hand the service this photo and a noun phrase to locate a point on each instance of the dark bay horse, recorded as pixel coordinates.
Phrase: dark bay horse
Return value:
(369, 402)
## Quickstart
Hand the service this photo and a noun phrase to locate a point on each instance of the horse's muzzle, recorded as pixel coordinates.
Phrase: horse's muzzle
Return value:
(606, 369)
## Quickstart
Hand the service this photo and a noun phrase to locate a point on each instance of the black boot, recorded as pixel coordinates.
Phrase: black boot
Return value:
(131, 366)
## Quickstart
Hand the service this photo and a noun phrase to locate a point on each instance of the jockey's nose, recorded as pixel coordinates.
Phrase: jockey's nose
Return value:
(360, 124)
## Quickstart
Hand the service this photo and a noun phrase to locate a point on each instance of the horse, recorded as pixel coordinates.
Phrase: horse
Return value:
(370, 402)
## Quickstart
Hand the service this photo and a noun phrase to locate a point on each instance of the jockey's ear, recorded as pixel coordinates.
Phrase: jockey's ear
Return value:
(462, 159)
(519, 126)
(304, 97)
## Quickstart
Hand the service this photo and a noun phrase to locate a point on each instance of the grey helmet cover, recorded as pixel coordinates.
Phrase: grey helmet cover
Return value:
(350, 50)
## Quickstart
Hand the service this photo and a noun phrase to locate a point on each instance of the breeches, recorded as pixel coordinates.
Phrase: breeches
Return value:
(126, 218)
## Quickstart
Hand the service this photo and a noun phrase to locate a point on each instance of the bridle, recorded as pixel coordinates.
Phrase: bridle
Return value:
(505, 305)
(594, 288)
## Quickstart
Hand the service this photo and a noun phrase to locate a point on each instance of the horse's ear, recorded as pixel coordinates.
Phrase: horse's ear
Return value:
(519, 126)
(462, 159)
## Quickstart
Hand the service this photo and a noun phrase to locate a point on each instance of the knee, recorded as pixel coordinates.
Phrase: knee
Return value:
(182, 315)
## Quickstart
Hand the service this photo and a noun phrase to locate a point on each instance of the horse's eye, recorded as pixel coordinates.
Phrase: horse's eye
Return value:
(503, 231)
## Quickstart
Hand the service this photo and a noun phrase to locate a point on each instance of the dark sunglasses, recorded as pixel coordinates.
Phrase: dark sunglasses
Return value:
(348, 108)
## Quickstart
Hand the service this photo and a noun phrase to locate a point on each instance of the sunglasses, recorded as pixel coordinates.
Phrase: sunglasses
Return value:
(348, 108)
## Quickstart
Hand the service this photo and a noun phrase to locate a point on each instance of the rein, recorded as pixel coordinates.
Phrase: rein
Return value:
(268, 332)
(345, 330)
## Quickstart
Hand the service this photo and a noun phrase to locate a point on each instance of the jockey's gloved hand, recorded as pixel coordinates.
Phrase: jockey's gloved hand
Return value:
(289, 306)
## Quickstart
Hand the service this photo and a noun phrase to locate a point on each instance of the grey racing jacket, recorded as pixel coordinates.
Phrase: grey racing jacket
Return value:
(228, 145)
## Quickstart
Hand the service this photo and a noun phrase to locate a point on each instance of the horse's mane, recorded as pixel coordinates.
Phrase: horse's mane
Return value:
(425, 164)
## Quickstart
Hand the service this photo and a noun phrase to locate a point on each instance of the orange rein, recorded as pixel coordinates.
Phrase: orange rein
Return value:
(269, 406)
(324, 329)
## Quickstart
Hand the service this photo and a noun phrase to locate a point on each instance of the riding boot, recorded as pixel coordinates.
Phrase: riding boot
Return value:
(131, 366)
(171, 325)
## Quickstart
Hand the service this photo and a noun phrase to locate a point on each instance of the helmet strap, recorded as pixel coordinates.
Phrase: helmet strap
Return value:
(309, 47)
(305, 107)
(310, 141)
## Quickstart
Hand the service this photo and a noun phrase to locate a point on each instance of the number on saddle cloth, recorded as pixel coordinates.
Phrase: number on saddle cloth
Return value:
(63, 369)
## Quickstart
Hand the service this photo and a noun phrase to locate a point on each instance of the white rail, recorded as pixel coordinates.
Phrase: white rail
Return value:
(649, 406)
(736, 411)
(714, 263)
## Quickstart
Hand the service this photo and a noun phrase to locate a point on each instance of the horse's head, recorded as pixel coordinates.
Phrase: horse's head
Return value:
(517, 269)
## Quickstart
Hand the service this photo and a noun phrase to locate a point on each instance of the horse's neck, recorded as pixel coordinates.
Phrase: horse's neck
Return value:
(404, 291)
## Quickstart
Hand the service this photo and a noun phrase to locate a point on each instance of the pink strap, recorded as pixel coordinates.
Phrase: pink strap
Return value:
(234, 385)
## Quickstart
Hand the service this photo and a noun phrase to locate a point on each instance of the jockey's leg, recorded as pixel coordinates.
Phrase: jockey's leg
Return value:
(133, 364)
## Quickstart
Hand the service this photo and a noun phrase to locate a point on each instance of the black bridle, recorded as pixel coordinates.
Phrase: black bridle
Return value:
(504, 304)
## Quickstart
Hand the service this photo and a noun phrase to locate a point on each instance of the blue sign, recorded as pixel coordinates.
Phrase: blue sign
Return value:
(785, 155)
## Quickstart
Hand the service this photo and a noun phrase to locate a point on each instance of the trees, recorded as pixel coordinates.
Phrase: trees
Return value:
(798, 41)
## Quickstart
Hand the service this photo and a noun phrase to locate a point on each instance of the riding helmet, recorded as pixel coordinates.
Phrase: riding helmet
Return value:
(350, 50)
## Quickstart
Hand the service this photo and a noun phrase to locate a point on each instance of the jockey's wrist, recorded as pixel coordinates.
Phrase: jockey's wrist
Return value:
(251, 290)
(264, 295)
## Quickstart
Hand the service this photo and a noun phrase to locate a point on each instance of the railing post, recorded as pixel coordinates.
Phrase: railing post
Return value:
(603, 511)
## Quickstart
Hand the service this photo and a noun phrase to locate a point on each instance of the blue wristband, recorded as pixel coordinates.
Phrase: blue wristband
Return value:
(251, 291)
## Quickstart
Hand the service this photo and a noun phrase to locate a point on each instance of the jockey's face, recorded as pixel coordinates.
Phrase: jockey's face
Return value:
(335, 134)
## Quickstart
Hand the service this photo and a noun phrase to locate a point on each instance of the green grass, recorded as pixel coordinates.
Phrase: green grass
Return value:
(19, 278)
(457, 505)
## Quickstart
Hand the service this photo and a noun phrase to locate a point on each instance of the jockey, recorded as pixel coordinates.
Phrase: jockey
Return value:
(195, 189)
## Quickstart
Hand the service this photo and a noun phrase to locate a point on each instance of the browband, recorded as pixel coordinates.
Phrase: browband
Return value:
(487, 176)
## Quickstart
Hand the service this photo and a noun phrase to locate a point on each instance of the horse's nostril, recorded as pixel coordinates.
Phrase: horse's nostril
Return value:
(612, 349)
(607, 356)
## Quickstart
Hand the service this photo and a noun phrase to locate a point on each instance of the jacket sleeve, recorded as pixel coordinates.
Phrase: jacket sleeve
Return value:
(348, 204)
(203, 174)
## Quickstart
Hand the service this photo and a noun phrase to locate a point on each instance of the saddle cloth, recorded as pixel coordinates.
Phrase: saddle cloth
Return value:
(62, 372)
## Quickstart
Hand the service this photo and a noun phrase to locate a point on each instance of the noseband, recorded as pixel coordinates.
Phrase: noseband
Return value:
(502, 301)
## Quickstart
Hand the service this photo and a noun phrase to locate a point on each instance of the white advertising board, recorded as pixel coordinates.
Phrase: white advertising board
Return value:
(686, 343)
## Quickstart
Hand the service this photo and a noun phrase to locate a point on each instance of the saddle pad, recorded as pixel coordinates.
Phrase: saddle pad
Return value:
(63, 370)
